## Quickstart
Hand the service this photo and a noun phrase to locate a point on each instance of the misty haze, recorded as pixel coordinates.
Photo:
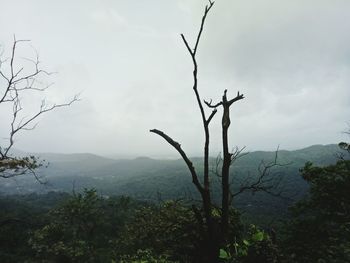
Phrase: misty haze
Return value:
(175, 131)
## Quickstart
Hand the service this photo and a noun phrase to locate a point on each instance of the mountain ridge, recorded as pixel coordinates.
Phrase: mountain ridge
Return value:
(87, 155)
(147, 178)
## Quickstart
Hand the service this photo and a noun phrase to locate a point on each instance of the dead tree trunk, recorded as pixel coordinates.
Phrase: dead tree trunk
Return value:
(216, 230)
(227, 159)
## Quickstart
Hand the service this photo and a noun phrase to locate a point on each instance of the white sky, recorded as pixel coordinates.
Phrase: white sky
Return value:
(291, 59)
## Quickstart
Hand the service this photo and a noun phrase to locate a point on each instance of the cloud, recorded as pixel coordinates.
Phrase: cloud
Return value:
(109, 17)
(289, 58)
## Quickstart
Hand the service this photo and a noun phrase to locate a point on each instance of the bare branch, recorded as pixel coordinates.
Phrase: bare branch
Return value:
(199, 102)
(187, 45)
(264, 182)
(211, 116)
(206, 11)
(190, 166)
(237, 98)
(237, 154)
(16, 84)
(211, 105)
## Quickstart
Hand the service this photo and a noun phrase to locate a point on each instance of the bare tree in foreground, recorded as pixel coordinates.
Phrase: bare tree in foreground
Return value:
(19, 80)
(216, 230)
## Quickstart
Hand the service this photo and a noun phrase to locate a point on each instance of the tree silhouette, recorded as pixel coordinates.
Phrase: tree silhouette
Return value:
(18, 80)
(216, 220)
(216, 229)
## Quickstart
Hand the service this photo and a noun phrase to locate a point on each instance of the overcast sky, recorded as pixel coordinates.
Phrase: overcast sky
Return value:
(291, 60)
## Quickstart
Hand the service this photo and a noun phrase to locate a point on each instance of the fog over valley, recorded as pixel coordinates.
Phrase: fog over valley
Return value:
(290, 59)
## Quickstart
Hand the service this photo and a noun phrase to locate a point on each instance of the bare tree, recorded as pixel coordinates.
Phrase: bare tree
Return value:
(214, 235)
(216, 230)
(19, 80)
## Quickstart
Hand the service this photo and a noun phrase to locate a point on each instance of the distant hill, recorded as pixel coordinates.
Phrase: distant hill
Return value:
(147, 178)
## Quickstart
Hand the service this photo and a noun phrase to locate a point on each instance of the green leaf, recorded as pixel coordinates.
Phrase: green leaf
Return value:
(215, 212)
(223, 254)
(258, 236)
(246, 242)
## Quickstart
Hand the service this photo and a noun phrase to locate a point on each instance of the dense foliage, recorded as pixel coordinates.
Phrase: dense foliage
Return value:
(88, 227)
(320, 229)
(143, 178)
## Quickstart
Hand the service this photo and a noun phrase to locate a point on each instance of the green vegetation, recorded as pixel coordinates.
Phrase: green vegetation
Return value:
(320, 228)
(150, 179)
(87, 227)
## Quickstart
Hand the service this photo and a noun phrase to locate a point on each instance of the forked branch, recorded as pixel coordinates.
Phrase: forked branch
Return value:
(188, 162)
(18, 79)
(264, 181)
(205, 120)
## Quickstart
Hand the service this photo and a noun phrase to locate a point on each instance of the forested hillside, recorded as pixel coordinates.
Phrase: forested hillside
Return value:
(149, 176)
(88, 227)
(154, 180)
